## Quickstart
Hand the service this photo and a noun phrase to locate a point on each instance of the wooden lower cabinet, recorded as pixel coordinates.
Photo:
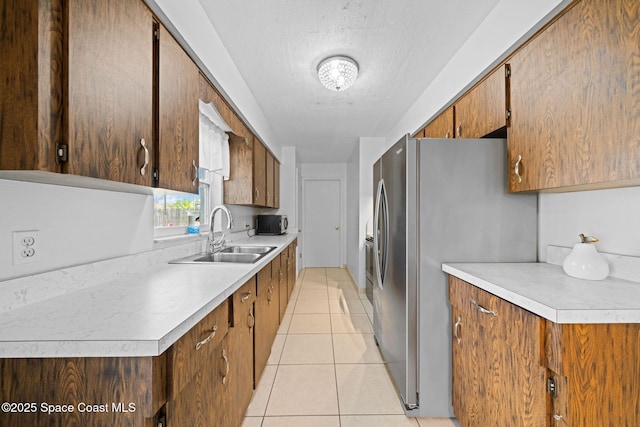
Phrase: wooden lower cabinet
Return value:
(291, 267)
(497, 375)
(513, 368)
(241, 358)
(206, 400)
(596, 370)
(282, 280)
(90, 391)
(267, 319)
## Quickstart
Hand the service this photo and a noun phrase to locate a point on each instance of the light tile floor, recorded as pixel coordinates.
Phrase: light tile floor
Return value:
(325, 369)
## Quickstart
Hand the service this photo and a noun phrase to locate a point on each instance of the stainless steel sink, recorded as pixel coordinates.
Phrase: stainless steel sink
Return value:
(247, 249)
(230, 254)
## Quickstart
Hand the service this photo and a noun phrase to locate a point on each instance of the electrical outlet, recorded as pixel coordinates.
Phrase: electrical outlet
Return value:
(26, 247)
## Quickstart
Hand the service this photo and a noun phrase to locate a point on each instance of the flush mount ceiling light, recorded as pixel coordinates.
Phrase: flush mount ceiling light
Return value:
(338, 72)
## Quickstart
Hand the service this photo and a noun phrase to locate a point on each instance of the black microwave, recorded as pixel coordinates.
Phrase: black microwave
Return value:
(271, 224)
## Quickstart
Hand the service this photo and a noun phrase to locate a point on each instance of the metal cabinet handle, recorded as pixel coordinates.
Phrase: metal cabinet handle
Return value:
(143, 169)
(447, 135)
(459, 131)
(257, 193)
(195, 173)
(226, 362)
(483, 310)
(270, 294)
(268, 197)
(207, 339)
(517, 168)
(251, 321)
(245, 297)
(456, 329)
(557, 417)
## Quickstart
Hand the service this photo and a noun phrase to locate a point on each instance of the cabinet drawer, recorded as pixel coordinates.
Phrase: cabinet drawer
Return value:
(503, 320)
(193, 351)
(264, 281)
(497, 317)
(243, 298)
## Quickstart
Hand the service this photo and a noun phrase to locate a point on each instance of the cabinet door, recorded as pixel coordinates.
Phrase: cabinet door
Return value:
(276, 185)
(282, 284)
(574, 100)
(266, 313)
(31, 114)
(259, 174)
(241, 350)
(269, 180)
(441, 126)
(497, 374)
(178, 145)
(206, 400)
(482, 110)
(238, 190)
(465, 376)
(109, 77)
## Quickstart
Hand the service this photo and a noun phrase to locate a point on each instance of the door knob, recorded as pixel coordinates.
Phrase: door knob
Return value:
(337, 228)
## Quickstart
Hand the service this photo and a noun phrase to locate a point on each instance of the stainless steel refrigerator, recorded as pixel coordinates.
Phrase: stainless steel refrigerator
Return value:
(437, 200)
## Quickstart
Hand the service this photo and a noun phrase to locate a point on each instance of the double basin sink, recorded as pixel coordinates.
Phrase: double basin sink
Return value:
(230, 254)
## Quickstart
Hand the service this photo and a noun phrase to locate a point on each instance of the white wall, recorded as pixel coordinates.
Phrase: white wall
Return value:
(288, 187)
(75, 225)
(613, 216)
(353, 217)
(369, 151)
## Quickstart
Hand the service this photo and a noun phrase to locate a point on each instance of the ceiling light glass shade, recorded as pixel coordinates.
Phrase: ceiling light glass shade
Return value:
(338, 72)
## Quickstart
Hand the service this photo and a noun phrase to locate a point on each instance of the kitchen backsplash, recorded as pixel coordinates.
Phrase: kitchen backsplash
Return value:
(620, 266)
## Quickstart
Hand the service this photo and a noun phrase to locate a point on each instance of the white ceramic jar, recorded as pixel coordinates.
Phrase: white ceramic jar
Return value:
(584, 261)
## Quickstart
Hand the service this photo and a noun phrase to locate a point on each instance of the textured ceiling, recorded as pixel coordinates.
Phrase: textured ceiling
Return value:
(400, 45)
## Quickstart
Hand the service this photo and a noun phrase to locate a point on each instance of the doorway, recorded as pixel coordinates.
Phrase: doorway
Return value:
(322, 223)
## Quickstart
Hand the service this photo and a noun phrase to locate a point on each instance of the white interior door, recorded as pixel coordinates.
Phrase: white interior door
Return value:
(322, 228)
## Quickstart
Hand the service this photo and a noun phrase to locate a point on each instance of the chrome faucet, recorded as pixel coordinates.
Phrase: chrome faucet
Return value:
(216, 244)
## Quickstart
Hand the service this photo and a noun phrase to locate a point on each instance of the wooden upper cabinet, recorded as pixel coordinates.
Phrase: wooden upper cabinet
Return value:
(441, 126)
(30, 112)
(254, 176)
(482, 110)
(574, 101)
(110, 90)
(238, 190)
(86, 93)
(178, 119)
(276, 184)
(259, 174)
(269, 179)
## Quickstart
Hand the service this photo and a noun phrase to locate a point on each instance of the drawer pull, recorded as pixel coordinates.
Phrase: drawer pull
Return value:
(226, 362)
(483, 310)
(456, 330)
(207, 339)
(270, 294)
(245, 296)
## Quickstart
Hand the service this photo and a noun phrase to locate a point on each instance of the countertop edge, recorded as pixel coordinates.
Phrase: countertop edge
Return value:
(586, 315)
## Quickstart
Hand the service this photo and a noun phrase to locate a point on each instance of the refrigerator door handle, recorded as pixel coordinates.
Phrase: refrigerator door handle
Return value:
(381, 231)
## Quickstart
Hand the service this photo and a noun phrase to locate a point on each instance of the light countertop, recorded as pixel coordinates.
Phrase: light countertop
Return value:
(545, 290)
(139, 314)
